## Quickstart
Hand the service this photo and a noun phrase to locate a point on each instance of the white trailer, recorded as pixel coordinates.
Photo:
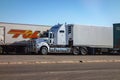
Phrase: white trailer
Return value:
(15, 37)
(92, 36)
(79, 39)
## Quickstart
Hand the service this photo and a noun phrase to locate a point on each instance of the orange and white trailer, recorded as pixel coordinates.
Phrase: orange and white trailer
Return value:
(14, 37)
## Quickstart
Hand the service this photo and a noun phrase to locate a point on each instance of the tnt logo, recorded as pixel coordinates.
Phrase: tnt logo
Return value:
(25, 33)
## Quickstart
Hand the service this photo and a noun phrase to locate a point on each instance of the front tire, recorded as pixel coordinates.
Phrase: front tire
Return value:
(44, 51)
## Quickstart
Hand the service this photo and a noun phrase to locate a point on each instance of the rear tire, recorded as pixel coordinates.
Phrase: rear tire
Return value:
(44, 50)
(83, 50)
(76, 51)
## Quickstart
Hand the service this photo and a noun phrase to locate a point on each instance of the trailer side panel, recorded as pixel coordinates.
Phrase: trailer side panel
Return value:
(22, 32)
(93, 36)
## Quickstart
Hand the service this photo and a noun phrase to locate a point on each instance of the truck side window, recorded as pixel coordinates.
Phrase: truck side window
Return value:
(50, 35)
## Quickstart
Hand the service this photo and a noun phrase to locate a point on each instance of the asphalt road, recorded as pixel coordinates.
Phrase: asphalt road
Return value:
(83, 71)
(28, 59)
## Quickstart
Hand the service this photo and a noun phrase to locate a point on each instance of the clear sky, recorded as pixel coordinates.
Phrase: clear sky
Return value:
(50, 12)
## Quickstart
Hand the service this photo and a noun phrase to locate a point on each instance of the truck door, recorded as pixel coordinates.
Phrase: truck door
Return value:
(1, 34)
(62, 37)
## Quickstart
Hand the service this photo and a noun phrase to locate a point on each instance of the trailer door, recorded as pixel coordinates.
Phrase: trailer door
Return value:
(1, 34)
(116, 30)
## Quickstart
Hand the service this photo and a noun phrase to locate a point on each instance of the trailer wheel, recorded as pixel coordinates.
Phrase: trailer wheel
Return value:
(83, 50)
(44, 51)
(76, 51)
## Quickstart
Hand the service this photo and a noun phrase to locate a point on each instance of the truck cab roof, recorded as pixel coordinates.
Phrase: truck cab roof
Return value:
(55, 28)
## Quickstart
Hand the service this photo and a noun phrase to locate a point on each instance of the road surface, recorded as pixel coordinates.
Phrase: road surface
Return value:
(80, 71)
(38, 59)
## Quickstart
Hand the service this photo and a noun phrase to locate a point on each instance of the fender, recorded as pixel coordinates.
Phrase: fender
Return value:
(41, 45)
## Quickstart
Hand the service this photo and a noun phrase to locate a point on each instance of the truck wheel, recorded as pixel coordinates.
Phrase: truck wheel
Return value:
(76, 51)
(84, 51)
(44, 51)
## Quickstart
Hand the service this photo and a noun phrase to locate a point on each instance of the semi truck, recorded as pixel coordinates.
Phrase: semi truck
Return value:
(15, 37)
(80, 39)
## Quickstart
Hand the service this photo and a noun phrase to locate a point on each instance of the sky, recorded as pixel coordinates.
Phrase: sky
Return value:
(51, 12)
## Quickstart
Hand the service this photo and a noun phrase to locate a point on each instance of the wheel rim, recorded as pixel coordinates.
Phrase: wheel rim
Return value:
(44, 51)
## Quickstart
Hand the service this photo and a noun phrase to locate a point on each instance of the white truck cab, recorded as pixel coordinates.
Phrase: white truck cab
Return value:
(57, 40)
(57, 35)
